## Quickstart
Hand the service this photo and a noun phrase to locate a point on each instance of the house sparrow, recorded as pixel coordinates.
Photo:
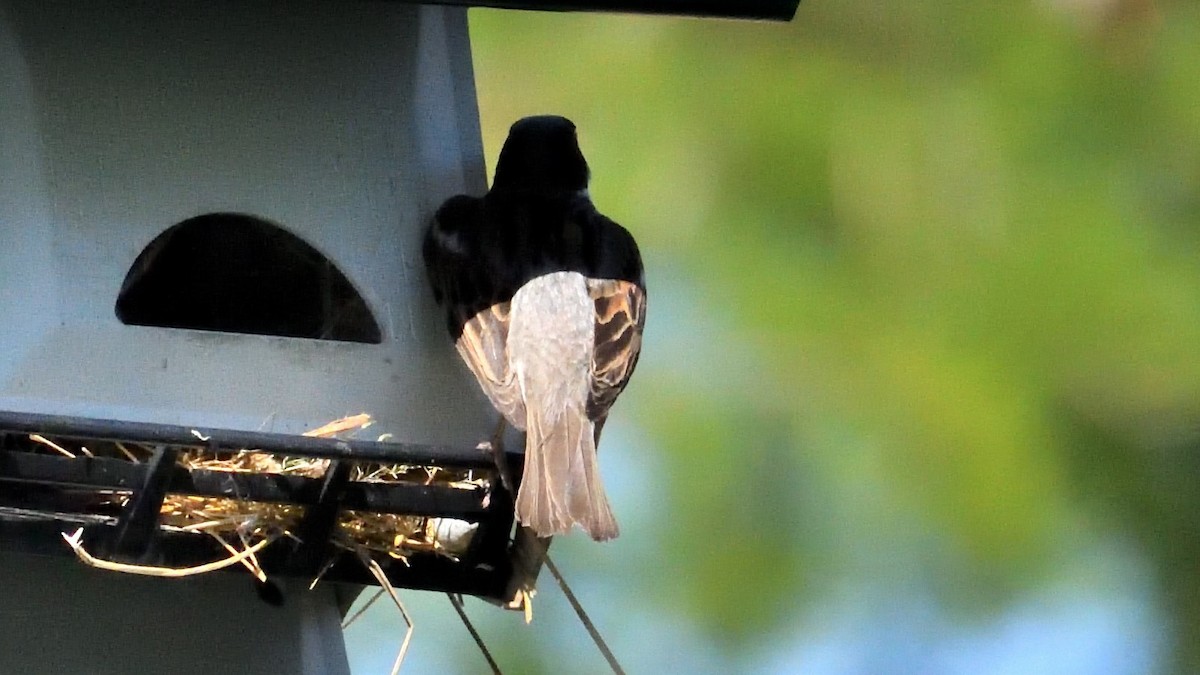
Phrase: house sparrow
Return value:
(546, 302)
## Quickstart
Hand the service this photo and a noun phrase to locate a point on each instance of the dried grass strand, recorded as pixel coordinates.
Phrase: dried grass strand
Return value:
(583, 617)
(362, 610)
(38, 438)
(125, 451)
(324, 568)
(353, 422)
(250, 563)
(254, 566)
(456, 600)
(384, 583)
(74, 541)
(527, 605)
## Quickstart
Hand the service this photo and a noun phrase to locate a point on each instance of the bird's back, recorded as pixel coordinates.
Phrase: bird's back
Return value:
(479, 251)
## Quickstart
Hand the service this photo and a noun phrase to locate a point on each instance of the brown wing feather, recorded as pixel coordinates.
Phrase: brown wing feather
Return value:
(620, 318)
(482, 347)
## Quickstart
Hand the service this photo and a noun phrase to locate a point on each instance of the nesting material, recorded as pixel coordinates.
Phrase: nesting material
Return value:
(75, 542)
(244, 527)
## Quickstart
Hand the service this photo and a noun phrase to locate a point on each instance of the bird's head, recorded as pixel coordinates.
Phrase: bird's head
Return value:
(542, 155)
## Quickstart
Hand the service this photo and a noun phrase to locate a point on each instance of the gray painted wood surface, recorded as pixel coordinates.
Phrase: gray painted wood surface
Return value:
(346, 123)
(59, 617)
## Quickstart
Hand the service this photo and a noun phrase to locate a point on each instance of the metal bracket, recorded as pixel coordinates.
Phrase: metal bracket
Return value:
(138, 522)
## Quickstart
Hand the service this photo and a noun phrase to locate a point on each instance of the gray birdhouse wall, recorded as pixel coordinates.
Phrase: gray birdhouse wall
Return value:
(211, 212)
(210, 216)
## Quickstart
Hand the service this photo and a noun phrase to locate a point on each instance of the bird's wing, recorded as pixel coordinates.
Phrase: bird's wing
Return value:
(476, 317)
(620, 318)
(482, 347)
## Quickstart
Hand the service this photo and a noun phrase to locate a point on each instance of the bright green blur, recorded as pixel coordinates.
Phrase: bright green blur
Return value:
(944, 273)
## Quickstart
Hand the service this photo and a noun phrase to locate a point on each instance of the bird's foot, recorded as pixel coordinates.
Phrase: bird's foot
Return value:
(495, 447)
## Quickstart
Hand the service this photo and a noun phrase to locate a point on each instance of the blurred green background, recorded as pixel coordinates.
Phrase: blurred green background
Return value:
(920, 391)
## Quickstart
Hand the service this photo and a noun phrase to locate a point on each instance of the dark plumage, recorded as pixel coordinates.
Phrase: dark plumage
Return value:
(545, 300)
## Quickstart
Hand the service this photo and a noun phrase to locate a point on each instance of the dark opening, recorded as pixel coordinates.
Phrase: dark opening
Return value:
(234, 273)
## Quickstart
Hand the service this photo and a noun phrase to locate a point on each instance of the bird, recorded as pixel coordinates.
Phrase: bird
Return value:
(545, 299)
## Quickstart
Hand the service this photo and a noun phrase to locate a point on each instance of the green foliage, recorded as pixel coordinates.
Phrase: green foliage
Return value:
(948, 265)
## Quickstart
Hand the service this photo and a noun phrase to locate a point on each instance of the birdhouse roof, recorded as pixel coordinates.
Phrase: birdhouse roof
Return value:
(776, 10)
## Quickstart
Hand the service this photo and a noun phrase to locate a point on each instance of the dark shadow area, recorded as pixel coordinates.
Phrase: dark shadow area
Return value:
(234, 273)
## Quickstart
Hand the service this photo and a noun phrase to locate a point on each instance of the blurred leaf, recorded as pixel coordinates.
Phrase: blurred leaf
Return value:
(945, 262)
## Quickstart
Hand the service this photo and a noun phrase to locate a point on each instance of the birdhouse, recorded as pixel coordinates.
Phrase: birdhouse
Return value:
(210, 245)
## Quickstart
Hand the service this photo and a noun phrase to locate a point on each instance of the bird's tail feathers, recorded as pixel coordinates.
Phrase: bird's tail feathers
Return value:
(561, 486)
